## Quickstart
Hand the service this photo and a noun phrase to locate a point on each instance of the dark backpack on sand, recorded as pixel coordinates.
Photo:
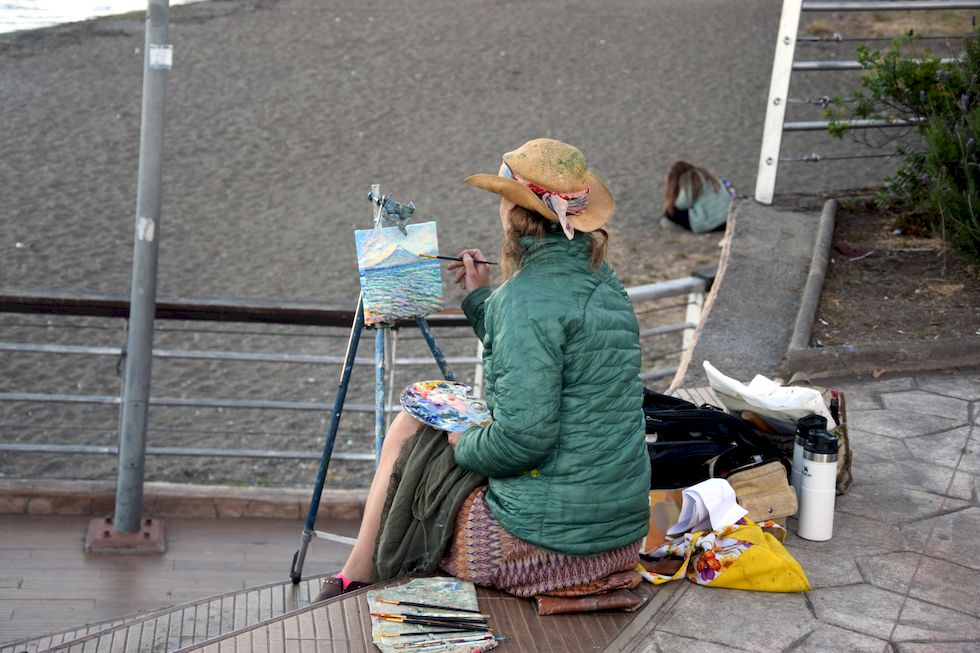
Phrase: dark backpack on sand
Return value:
(688, 444)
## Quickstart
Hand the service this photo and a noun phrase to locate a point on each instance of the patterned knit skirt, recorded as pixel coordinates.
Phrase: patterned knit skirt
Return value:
(483, 552)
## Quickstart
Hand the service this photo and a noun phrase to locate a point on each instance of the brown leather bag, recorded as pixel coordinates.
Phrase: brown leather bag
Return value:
(764, 491)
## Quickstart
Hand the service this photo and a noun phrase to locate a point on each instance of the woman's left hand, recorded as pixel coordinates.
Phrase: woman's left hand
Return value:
(453, 437)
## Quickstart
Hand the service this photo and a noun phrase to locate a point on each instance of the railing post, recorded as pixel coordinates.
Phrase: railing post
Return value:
(139, 347)
(772, 133)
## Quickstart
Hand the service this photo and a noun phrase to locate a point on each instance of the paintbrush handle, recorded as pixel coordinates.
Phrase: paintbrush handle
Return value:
(431, 606)
(454, 258)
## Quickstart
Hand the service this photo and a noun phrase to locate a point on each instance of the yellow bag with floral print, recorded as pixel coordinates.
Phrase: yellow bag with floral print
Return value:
(745, 556)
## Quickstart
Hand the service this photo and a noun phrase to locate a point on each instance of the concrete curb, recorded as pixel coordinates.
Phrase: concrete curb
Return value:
(847, 360)
(97, 498)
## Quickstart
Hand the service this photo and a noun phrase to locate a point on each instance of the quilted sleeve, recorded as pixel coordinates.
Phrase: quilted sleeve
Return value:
(527, 358)
(474, 309)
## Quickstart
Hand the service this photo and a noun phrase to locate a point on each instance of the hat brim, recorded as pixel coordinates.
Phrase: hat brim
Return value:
(595, 216)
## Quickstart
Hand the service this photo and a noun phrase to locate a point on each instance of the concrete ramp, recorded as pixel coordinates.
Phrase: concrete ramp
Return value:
(748, 317)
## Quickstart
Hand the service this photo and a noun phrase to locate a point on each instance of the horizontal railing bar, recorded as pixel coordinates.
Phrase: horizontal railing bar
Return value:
(665, 289)
(658, 373)
(670, 328)
(215, 310)
(820, 125)
(920, 5)
(847, 64)
(221, 355)
(199, 403)
(182, 451)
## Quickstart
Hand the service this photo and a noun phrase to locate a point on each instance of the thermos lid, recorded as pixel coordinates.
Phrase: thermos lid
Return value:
(821, 442)
(810, 422)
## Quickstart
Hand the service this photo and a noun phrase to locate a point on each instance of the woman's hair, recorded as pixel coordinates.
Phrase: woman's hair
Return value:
(524, 222)
(682, 174)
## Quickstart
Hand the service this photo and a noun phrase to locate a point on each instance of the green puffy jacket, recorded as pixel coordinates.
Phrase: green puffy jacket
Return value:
(565, 453)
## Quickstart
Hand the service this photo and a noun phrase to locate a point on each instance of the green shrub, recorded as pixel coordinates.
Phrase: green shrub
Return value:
(938, 190)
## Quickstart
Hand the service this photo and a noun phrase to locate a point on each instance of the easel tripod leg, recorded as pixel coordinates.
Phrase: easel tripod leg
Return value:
(321, 475)
(434, 348)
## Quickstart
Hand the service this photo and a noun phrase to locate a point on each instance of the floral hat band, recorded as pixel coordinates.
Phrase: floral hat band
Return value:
(551, 179)
(562, 204)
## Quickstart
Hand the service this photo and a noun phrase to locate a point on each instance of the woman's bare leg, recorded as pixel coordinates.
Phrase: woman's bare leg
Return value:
(360, 564)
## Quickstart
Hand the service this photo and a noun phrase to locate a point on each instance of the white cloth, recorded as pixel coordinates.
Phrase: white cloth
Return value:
(767, 398)
(709, 505)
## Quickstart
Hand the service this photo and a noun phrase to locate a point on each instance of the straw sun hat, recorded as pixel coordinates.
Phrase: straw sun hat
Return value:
(552, 179)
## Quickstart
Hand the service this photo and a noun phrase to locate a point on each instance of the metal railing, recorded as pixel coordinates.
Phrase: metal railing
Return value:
(272, 322)
(784, 65)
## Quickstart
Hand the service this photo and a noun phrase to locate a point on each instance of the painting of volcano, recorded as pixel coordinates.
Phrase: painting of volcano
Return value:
(395, 281)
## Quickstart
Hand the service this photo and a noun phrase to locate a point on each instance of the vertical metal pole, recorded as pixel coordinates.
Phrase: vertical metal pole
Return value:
(772, 132)
(139, 343)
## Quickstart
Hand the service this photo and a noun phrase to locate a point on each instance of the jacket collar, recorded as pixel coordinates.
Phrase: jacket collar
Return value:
(553, 245)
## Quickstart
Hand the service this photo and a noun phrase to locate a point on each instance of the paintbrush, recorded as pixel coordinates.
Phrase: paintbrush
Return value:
(439, 643)
(432, 606)
(442, 623)
(479, 618)
(455, 258)
(424, 632)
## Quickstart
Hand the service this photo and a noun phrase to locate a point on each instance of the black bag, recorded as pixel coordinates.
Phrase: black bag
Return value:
(683, 439)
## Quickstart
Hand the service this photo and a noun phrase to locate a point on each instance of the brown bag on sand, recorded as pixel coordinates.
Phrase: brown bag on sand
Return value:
(764, 491)
(618, 600)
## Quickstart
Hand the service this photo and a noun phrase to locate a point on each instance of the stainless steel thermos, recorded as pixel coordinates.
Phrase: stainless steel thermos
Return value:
(818, 486)
(803, 427)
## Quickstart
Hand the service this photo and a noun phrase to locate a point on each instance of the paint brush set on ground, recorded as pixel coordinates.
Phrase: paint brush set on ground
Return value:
(430, 613)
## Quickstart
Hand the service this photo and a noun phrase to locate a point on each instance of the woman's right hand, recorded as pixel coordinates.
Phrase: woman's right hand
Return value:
(470, 275)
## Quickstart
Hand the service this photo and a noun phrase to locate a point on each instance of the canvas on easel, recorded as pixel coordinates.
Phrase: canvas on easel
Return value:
(396, 282)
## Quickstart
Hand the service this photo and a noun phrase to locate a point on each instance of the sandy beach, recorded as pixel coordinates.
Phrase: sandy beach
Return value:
(282, 113)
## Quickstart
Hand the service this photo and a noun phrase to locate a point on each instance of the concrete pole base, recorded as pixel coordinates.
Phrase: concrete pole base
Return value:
(103, 539)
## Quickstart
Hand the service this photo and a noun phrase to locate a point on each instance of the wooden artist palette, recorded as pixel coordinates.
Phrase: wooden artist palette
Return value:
(445, 405)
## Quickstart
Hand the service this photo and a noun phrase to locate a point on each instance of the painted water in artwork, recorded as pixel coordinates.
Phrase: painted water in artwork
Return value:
(395, 281)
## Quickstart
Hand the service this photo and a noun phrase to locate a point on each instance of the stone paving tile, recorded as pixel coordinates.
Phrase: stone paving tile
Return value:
(948, 585)
(923, 621)
(935, 647)
(886, 497)
(826, 568)
(965, 486)
(962, 386)
(830, 639)
(900, 424)
(871, 447)
(970, 462)
(927, 403)
(661, 642)
(953, 537)
(854, 536)
(893, 571)
(858, 399)
(860, 608)
(885, 384)
(944, 449)
(755, 621)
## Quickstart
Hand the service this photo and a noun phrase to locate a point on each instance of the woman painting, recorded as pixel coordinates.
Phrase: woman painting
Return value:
(564, 503)
(695, 199)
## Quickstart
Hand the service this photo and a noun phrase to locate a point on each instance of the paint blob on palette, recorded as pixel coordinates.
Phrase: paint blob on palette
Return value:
(445, 405)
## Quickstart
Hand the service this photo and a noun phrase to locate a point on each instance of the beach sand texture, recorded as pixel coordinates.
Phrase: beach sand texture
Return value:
(282, 113)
